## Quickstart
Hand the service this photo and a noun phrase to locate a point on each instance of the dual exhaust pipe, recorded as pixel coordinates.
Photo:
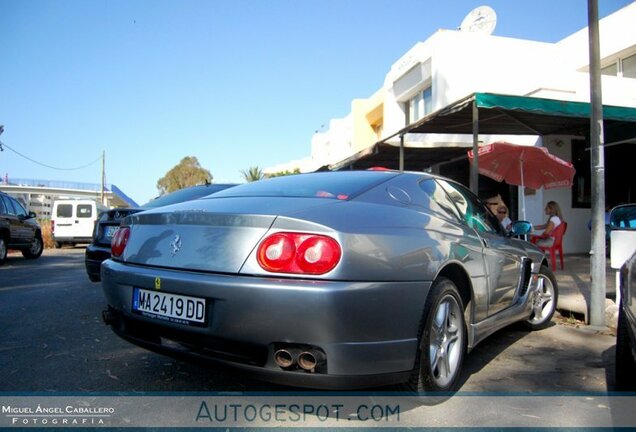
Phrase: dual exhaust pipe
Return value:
(309, 360)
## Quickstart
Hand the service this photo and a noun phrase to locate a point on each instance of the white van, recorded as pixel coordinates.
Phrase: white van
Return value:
(73, 220)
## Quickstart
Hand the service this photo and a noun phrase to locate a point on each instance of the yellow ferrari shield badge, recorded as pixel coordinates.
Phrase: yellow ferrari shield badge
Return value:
(157, 283)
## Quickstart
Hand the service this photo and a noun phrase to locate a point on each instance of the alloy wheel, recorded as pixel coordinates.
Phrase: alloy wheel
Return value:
(543, 303)
(445, 348)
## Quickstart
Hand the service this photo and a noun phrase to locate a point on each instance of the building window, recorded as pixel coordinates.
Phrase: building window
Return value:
(623, 67)
(419, 105)
(611, 70)
(629, 67)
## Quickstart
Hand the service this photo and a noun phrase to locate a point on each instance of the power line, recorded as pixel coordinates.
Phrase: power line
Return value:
(48, 166)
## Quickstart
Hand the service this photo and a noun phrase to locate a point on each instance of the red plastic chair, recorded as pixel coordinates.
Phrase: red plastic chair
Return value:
(557, 246)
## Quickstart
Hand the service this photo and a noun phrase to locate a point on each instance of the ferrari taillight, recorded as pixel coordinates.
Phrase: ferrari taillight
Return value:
(299, 253)
(120, 239)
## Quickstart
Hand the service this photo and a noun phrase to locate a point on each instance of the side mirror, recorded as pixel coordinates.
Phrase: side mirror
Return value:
(32, 215)
(521, 227)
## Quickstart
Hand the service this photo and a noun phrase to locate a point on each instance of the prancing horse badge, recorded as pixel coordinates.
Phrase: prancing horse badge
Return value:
(175, 244)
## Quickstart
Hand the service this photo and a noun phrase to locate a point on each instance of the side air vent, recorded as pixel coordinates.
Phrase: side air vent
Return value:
(526, 274)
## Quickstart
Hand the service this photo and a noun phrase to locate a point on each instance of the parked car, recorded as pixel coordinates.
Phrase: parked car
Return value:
(623, 222)
(108, 222)
(327, 280)
(626, 332)
(73, 220)
(18, 229)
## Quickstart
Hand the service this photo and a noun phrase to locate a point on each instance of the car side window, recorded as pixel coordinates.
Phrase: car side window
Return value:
(474, 211)
(9, 206)
(2, 209)
(439, 198)
(19, 210)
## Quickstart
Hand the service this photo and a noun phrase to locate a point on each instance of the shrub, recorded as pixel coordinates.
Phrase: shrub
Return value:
(47, 235)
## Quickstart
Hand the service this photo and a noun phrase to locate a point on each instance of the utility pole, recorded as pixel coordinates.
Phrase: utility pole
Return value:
(597, 259)
(474, 170)
(103, 176)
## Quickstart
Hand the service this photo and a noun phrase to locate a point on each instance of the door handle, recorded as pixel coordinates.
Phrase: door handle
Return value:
(485, 242)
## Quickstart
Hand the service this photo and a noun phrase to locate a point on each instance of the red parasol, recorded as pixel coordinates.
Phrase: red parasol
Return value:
(525, 166)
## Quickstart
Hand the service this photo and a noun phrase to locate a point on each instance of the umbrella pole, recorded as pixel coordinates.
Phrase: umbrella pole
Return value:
(523, 192)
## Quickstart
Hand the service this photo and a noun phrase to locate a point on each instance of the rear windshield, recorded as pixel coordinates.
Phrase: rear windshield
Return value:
(64, 210)
(623, 217)
(328, 185)
(84, 211)
(187, 194)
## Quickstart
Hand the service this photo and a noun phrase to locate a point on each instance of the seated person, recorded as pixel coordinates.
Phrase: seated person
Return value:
(555, 218)
(502, 215)
(498, 207)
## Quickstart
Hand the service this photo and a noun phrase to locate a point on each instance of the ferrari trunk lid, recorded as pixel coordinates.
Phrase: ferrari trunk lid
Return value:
(195, 240)
(215, 235)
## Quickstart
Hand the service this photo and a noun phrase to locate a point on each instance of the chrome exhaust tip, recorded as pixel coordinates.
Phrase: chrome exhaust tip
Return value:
(285, 358)
(108, 317)
(308, 360)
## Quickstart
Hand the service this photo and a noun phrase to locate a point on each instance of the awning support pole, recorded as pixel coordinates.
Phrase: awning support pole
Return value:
(402, 152)
(474, 171)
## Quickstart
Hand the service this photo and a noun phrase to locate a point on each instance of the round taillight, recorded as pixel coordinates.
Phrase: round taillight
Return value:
(299, 253)
(276, 252)
(120, 239)
(318, 254)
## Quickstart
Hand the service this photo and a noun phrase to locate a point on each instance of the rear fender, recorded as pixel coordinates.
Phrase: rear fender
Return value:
(456, 273)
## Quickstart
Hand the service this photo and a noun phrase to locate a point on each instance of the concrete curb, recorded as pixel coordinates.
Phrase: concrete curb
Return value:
(575, 289)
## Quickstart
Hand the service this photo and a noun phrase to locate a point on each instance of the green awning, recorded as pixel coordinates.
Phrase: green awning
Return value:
(498, 115)
(519, 115)
(551, 107)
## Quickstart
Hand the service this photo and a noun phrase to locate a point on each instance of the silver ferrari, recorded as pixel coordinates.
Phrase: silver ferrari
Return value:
(335, 280)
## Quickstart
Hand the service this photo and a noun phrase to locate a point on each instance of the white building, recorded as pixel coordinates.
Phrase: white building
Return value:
(452, 64)
(38, 195)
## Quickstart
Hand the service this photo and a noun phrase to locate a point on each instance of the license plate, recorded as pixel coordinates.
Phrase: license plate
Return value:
(169, 307)
(110, 231)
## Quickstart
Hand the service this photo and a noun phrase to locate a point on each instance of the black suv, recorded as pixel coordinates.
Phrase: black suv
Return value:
(18, 229)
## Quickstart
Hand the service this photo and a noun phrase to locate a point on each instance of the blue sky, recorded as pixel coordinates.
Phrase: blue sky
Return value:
(236, 83)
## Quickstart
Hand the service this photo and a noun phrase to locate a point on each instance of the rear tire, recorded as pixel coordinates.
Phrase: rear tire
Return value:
(625, 363)
(3, 250)
(57, 245)
(35, 250)
(545, 301)
(94, 278)
(442, 347)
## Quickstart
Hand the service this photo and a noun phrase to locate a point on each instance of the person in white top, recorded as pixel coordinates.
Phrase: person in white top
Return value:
(499, 208)
(502, 215)
(555, 218)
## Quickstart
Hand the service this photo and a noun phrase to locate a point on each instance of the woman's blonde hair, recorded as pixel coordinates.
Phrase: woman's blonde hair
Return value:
(555, 209)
